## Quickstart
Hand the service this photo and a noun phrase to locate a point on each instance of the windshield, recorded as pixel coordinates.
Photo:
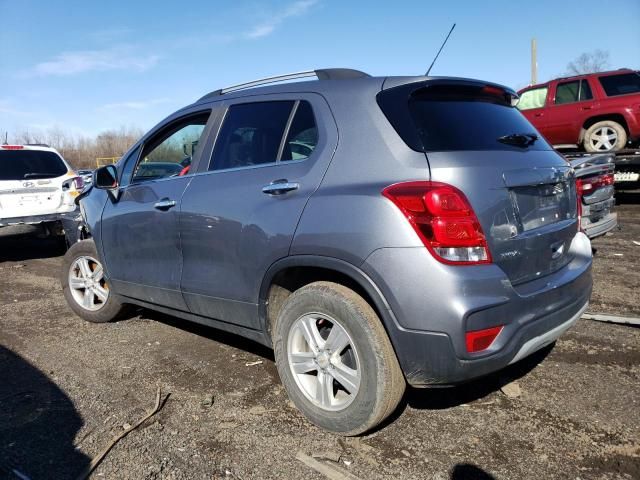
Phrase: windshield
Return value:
(30, 164)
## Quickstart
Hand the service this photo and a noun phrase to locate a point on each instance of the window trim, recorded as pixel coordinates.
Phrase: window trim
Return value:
(285, 134)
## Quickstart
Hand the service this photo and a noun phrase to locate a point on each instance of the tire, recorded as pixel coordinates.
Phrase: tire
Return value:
(351, 408)
(103, 308)
(605, 136)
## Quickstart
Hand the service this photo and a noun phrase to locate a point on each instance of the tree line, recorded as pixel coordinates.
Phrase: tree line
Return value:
(82, 151)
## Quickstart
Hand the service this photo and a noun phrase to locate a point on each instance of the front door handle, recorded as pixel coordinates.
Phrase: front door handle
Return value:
(164, 204)
(280, 187)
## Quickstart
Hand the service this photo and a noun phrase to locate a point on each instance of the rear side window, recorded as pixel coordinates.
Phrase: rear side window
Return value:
(302, 138)
(573, 91)
(534, 98)
(30, 164)
(459, 117)
(620, 84)
(251, 134)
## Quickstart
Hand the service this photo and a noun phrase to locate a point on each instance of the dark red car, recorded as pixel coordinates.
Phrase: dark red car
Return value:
(597, 111)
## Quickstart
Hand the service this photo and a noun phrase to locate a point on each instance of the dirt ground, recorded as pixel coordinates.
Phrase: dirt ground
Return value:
(67, 387)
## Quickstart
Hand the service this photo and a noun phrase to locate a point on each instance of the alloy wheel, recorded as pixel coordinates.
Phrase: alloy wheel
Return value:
(324, 361)
(87, 283)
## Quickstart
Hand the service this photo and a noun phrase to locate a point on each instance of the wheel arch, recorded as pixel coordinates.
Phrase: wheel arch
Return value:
(614, 117)
(290, 273)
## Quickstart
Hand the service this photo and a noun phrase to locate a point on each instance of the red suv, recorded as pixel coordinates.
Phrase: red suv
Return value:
(599, 111)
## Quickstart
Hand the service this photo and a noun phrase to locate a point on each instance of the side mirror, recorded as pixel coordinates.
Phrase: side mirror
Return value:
(106, 178)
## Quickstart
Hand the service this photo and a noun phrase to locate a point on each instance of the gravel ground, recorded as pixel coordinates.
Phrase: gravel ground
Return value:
(67, 387)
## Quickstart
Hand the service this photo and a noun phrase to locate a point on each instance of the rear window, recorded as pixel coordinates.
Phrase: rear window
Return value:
(30, 164)
(455, 117)
(620, 84)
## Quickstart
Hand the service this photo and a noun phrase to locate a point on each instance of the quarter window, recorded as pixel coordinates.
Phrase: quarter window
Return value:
(621, 84)
(534, 98)
(303, 134)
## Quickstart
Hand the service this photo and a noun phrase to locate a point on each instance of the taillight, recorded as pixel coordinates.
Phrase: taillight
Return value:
(73, 186)
(588, 185)
(443, 219)
(479, 340)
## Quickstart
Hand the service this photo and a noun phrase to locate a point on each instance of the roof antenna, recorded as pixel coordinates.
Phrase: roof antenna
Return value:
(441, 47)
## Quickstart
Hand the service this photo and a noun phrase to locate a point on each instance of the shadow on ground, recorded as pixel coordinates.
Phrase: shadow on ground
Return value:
(19, 243)
(467, 471)
(38, 424)
(211, 333)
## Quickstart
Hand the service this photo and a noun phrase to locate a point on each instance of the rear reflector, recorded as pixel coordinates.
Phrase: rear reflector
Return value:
(11, 147)
(479, 340)
(443, 219)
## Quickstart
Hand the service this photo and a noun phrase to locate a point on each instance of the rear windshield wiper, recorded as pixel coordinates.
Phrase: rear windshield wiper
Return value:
(519, 139)
(40, 175)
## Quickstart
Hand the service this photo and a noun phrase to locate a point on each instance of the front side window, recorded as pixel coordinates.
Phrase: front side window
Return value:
(573, 91)
(621, 84)
(169, 153)
(534, 98)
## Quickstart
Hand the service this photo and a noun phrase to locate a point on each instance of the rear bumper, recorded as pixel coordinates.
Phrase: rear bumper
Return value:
(434, 305)
(600, 227)
(32, 219)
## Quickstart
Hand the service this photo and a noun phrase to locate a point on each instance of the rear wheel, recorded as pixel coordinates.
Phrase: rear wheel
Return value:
(335, 359)
(605, 136)
(85, 287)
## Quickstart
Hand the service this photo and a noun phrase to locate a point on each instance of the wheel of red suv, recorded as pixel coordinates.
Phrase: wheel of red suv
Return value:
(84, 285)
(605, 136)
(335, 359)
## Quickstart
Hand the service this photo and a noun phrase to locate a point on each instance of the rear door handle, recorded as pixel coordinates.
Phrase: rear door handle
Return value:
(280, 187)
(587, 108)
(164, 204)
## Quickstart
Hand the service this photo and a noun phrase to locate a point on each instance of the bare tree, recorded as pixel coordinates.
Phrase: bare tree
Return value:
(79, 151)
(590, 62)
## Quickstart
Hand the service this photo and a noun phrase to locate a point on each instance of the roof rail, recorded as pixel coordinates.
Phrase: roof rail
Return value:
(320, 74)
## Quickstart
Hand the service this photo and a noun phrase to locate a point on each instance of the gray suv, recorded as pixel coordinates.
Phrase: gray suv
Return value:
(375, 231)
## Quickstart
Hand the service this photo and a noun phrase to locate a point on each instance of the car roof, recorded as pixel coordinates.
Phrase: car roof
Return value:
(607, 73)
(328, 81)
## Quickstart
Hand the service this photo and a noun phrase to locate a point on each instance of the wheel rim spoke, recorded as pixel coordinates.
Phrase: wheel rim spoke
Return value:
(345, 376)
(303, 362)
(87, 299)
(324, 391)
(98, 273)
(101, 293)
(337, 340)
(77, 283)
(83, 265)
(311, 334)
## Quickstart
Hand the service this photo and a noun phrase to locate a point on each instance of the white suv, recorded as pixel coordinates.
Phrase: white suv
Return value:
(36, 186)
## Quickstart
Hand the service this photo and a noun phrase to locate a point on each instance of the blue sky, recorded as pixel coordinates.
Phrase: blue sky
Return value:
(88, 66)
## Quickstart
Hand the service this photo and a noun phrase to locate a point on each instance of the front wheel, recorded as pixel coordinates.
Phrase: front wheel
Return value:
(335, 359)
(85, 287)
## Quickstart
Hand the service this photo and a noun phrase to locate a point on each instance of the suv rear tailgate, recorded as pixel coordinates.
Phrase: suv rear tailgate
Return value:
(522, 191)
